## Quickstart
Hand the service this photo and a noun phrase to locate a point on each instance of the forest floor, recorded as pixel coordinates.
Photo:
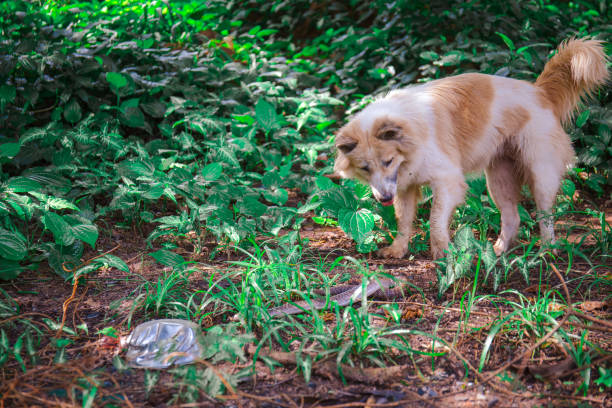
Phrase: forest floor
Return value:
(107, 299)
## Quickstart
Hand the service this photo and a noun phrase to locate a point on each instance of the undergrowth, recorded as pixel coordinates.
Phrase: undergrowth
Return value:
(193, 122)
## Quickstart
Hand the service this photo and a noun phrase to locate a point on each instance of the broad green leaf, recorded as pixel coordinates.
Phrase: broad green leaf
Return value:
(276, 195)
(7, 95)
(464, 238)
(358, 224)
(132, 116)
(168, 258)
(155, 191)
(12, 245)
(136, 168)
(337, 199)
(252, 207)
(272, 179)
(266, 115)
(86, 232)
(116, 80)
(228, 156)
(61, 230)
(324, 183)
(72, 111)
(23, 185)
(113, 262)
(429, 55)
(60, 204)
(212, 172)
(9, 269)
(9, 150)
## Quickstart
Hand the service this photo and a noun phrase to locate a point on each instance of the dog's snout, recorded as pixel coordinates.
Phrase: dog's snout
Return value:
(386, 197)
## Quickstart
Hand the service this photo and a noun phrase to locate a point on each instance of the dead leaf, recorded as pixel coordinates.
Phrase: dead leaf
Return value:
(591, 305)
(552, 371)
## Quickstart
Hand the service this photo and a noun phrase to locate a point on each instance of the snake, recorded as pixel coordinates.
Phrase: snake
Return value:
(348, 294)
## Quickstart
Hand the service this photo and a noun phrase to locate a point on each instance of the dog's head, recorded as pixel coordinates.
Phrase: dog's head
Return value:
(371, 148)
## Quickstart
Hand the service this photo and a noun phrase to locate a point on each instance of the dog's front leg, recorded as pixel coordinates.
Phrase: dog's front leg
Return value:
(405, 210)
(448, 193)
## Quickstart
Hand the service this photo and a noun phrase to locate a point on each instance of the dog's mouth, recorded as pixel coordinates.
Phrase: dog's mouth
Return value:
(387, 203)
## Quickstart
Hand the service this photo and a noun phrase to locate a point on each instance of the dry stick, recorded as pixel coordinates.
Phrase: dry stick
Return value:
(605, 323)
(75, 286)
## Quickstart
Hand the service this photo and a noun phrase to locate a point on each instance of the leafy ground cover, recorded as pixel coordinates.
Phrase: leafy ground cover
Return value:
(173, 159)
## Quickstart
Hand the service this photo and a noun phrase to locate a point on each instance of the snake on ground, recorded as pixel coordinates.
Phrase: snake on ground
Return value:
(353, 293)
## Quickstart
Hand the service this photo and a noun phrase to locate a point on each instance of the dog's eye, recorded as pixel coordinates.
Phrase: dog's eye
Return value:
(366, 168)
(387, 162)
(390, 134)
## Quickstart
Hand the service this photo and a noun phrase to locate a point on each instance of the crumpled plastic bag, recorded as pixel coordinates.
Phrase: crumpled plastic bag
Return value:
(163, 343)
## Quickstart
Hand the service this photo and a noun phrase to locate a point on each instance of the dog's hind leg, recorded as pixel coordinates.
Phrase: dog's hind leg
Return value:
(546, 175)
(546, 164)
(504, 186)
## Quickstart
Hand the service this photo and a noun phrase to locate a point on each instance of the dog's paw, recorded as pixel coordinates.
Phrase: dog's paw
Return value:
(499, 247)
(438, 253)
(393, 251)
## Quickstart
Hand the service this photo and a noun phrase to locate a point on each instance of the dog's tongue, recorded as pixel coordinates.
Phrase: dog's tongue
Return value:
(387, 203)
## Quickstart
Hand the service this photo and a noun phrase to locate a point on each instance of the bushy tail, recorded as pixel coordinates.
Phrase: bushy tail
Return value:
(576, 71)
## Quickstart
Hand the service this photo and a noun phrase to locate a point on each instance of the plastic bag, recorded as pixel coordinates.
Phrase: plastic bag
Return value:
(162, 343)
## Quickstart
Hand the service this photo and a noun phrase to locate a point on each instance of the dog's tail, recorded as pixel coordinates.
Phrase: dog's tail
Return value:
(578, 68)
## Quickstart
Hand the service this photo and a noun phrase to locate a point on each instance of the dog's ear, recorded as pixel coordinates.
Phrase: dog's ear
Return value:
(347, 146)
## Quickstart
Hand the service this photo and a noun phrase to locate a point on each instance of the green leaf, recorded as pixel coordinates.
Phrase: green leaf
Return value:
(12, 245)
(212, 171)
(72, 111)
(113, 261)
(167, 258)
(358, 224)
(266, 115)
(87, 233)
(156, 191)
(252, 207)
(61, 230)
(23, 185)
(57, 203)
(7, 95)
(507, 40)
(9, 150)
(9, 269)
(582, 118)
(429, 55)
(116, 80)
(337, 199)
(131, 115)
(276, 195)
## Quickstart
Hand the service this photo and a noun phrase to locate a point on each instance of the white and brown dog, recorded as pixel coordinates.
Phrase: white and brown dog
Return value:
(436, 132)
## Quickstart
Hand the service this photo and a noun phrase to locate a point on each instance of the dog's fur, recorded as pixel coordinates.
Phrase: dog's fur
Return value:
(436, 132)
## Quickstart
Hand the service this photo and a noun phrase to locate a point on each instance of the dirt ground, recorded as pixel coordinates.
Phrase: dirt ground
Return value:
(106, 298)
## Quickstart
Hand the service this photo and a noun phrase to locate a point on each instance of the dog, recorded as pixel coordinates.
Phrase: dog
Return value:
(435, 133)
